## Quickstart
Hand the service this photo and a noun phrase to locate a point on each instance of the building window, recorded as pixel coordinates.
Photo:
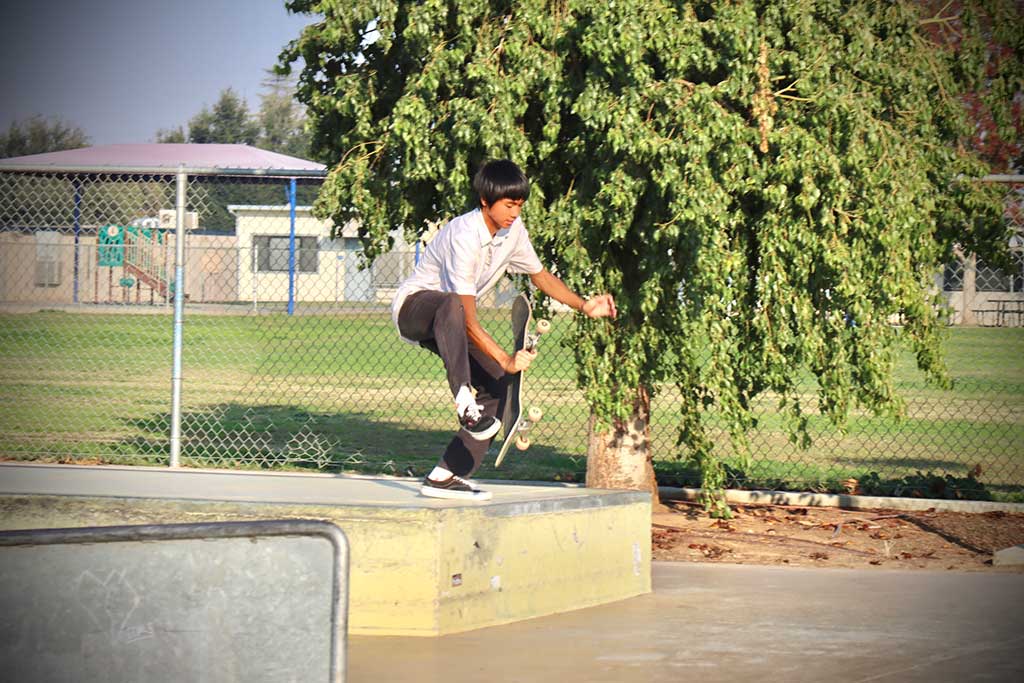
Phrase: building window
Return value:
(987, 278)
(272, 253)
(953, 276)
(991, 279)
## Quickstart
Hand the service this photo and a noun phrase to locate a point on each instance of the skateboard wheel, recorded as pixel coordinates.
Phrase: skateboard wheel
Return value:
(535, 414)
(522, 443)
(543, 326)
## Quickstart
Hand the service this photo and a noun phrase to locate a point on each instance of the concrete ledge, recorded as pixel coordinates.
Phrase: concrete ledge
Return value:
(1009, 557)
(843, 500)
(418, 566)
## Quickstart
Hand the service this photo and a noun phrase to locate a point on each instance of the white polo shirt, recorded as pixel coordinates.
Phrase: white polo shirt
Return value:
(463, 258)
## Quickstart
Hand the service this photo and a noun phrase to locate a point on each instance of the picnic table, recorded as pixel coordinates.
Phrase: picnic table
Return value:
(1008, 311)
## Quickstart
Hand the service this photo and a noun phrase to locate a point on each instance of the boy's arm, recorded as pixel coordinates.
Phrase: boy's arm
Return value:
(483, 341)
(601, 306)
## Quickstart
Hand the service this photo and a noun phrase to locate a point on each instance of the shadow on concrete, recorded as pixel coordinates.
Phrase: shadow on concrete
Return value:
(275, 436)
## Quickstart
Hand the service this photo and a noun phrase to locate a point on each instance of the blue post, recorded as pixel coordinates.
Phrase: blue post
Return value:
(291, 247)
(76, 217)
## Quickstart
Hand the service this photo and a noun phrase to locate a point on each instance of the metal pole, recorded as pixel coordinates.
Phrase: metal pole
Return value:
(77, 220)
(291, 247)
(166, 273)
(179, 315)
(255, 275)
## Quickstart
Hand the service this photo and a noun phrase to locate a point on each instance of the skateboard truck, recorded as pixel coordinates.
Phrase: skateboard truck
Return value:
(519, 423)
(543, 327)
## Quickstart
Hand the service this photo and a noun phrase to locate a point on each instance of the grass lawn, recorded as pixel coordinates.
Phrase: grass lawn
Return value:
(342, 391)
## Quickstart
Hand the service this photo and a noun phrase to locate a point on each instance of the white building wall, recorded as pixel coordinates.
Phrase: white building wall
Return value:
(336, 266)
(326, 284)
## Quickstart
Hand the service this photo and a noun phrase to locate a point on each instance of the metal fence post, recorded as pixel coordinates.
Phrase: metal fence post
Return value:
(255, 275)
(179, 315)
(77, 221)
(167, 279)
(291, 246)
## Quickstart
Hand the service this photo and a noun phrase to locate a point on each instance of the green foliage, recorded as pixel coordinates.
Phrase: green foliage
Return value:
(278, 126)
(776, 181)
(172, 136)
(281, 119)
(926, 485)
(38, 135)
(228, 122)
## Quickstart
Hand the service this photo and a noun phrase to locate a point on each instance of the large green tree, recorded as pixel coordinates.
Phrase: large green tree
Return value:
(227, 122)
(767, 187)
(38, 134)
(277, 126)
(281, 118)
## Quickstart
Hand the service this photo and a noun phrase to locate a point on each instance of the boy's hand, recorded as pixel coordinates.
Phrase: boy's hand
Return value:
(601, 306)
(520, 361)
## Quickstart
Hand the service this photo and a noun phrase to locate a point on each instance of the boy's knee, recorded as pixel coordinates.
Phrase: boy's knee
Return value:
(451, 310)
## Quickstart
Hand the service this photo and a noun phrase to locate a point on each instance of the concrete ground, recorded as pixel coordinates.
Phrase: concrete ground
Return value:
(733, 623)
(710, 622)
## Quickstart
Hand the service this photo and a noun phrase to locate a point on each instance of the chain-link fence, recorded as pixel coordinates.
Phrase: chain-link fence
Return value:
(290, 358)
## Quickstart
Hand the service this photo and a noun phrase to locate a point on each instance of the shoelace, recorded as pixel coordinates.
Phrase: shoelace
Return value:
(474, 412)
(460, 480)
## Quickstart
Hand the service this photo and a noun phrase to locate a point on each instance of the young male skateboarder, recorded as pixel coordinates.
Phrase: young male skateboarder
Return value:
(435, 307)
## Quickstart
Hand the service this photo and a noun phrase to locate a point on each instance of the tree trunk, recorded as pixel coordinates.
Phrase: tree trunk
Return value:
(621, 458)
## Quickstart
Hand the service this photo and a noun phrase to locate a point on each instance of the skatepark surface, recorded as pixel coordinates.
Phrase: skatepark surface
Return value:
(719, 622)
(706, 622)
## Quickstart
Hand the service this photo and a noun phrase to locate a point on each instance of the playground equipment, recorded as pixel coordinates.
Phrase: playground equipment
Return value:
(139, 250)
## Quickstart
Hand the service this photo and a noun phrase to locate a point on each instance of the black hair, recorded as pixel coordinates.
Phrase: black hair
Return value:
(501, 179)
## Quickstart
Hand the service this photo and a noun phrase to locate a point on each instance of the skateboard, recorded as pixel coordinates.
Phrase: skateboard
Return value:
(517, 426)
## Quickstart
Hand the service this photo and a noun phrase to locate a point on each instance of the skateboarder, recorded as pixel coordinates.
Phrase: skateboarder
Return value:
(435, 307)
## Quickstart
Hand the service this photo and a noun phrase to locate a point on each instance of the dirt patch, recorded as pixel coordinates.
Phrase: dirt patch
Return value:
(829, 537)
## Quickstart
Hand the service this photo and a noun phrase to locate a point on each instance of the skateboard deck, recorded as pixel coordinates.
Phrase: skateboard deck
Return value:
(516, 424)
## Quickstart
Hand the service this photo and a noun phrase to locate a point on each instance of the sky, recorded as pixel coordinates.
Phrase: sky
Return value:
(123, 69)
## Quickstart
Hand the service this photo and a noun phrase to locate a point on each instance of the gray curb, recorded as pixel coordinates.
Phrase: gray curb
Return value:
(844, 501)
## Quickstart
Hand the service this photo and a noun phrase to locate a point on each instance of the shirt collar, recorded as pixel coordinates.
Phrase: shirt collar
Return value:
(481, 228)
(486, 238)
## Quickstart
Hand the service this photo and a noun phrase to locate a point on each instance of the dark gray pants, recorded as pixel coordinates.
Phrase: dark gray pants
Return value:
(438, 322)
